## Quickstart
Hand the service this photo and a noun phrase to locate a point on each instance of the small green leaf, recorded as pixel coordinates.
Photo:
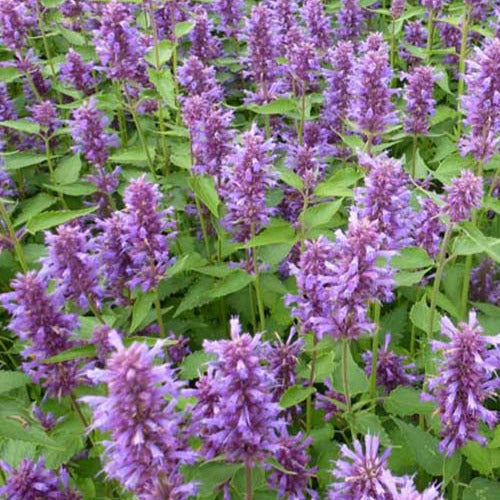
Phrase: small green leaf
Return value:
(78, 352)
(279, 232)
(142, 305)
(47, 220)
(196, 296)
(194, 364)
(420, 316)
(409, 278)
(295, 395)
(482, 459)
(237, 280)
(481, 488)
(9, 74)
(33, 206)
(68, 170)
(75, 189)
(204, 188)
(291, 178)
(277, 107)
(25, 126)
(412, 258)
(16, 161)
(405, 401)
(165, 51)
(489, 245)
(356, 378)
(10, 429)
(183, 28)
(132, 155)
(321, 214)
(339, 184)
(73, 37)
(12, 380)
(369, 423)
(164, 84)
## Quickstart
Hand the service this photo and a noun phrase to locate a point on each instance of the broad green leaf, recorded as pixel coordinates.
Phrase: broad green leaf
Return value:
(78, 352)
(183, 28)
(204, 188)
(33, 206)
(291, 178)
(132, 155)
(9, 74)
(451, 167)
(412, 258)
(164, 83)
(16, 161)
(321, 214)
(405, 401)
(482, 459)
(481, 488)
(73, 37)
(295, 395)
(194, 364)
(12, 380)
(451, 467)
(196, 296)
(75, 189)
(489, 245)
(11, 429)
(339, 184)
(420, 316)
(409, 278)
(235, 281)
(68, 170)
(25, 126)
(211, 475)
(47, 220)
(142, 305)
(280, 232)
(353, 141)
(164, 53)
(357, 381)
(277, 107)
(369, 423)
(187, 262)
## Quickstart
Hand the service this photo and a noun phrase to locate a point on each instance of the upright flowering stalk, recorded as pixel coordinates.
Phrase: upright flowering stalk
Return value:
(338, 89)
(119, 44)
(385, 200)
(37, 318)
(45, 114)
(199, 80)
(451, 37)
(428, 227)
(285, 15)
(230, 14)
(463, 195)
(397, 8)
(73, 264)
(350, 20)
(148, 435)
(88, 131)
(77, 73)
(262, 42)
(16, 19)
(249, 176)
(204, 44)
(414, 34)
(485, 282)
(7, 111)
(418, 98)
(318, 23)
(481, 104)
(372, 109)
(32, 480)
(433, 7)
(465, 381)
(244, 422)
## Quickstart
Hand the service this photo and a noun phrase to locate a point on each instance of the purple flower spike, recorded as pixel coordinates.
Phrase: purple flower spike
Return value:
(416, 35)
(435, 5)
(318, 23)
(464, 194)
(419, 101)
(199, 80)
(148, 435)
(428, 227)
(15, 22)
(77, 73)
(230, 14)
(204, 45)
(45, 114)
(485, 282)
(465, 381)
(397, 8)
(482, 102)
(324, 401)
(350, 20)
(242, 420)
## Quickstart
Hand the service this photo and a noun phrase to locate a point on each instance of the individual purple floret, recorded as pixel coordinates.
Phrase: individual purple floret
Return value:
(230, 14)
(435, 5)
(16, 19)
(178, 351)
(338, 89)
(465, 381)
(37, 318)
(428, 227)
(397, 8)
(418, 98)
(326, 401)
(385, 199)
(101, 341)
(414, 34)
(148, 435)
(485, 282)
(119, 44)
(350, 20)
(372, 109)
(391, 370)
(45, 114)
(318, 23)
(249, 176)
(243, 423)
(199, 80)
(204, 45)
(32, 481)
(463, 194)
(88, 132)
(292, 455)
(47, 420)
(263, 43)
(73, 264)
(309, 301)
(145, 233)
(77, 73)
(361, 473)
(481, 103)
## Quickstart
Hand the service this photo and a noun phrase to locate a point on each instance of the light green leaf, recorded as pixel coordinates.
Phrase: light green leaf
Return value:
(339, 184)
(279, 232)
(204, 188)
(75, 189)
(10, 429)
(33, 206)
(277, 107)
(481, 488)
(78, 352)
(25, 126)
(165, 51)
(164, 84)
(405, 401)
(237, 280)
(68, 170)
(142, 305)
(47, 220)
(194, 364)
(412, 258)
(16, 161)
(291, 178)
(356, 378)
(9, 74)
(183, 28)
(420, 316)
(132, 155)
(321, 214)
(12, 380)
(409, 278)
(295, 395)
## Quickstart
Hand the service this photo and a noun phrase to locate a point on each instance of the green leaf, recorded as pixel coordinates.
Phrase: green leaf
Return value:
(183, 28)
(187, 262)
(369, 423)
(12, 380)
(321, 214)
(353, 141)
(409, 278)
(451, 468)
(194, 364)
(10, 429)
(75, 189)
(9, 74)
(196, 296)
(277, 107)
(424, 446)
(356, 378)
(142, 305)
(237, 280)
(339, 184)
(165, 51)
(47, 220)
(33, 206)
(295, 395)
(204, 188)
(420, 316)
(78, 352)
(280, 232)
(164, 84)
(132, 155)
(211, 475)
(412, 258)
(482, 459)
(451, 167)
(291, 178)
(25, 126)
(481, 488)
(405, 401)
(73, 37)
(16, 161)
(489, 245)
(68, 170)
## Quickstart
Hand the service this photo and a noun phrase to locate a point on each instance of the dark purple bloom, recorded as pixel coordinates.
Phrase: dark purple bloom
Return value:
(88, 132)
(385, 199)
(485, 282)
(7, 111)
(178, 351)
(199, 80)
(465, 381)
(30, 65)
(326, 401)
(397, 8)
(451, 37)
(33, 481)
(16, 19)
(418, 98)
(148, 435)
(414, 34)
(391, 368)
(45, 114)
(102, 341)
(433, 4)
(292, 455)
(482, 102)
(204, 45)
(284, 12)
(350, 20)
(463, 195)
(372, 109)
(318, 23)
(243, 422)
(77, 73)
(249, 176)
(73, 264)
(230, 13)
(47, 420)
(428, 227)
(168, 14)
(37, 317)
(303, 65)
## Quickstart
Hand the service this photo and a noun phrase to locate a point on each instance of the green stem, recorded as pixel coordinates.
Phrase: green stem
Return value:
(373, 376)
(95, 310)
(258, 294)
(345, 381)
(302, 117)
(414, 157)
(461, 67)
(122, 124)
(312, 376)
(393, 42)
(252, 309)
(48, 155)
(18, 249)
(248, 482)
(430, 35)
(159, 315)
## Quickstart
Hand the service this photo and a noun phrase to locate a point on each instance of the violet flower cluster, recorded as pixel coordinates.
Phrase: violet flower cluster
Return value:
(204, 45)
(466, 379)
(77, 73)
(414, 34)
(463, 195)
(350, 20)
(485, 282)
(16, 19)
(318, 23)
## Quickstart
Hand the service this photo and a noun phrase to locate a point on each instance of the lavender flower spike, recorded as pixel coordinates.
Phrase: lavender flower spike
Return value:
(77, 73)
(318, 23)
(349, 20)
(148, 435)
(463, 195)
(465, 381)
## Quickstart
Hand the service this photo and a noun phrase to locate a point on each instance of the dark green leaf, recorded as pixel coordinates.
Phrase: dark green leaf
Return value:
(12, 380)
(405, 401)
(204, 188)
(25, 126)
(142, 305)
(50, 219)
(295, 395)
(16, 161)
